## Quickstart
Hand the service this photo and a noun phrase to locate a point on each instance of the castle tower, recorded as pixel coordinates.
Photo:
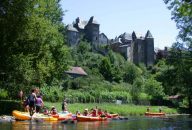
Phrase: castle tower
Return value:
(92, 31)
(149, 49)
(134, 37)
(72, 35)
(138, 51)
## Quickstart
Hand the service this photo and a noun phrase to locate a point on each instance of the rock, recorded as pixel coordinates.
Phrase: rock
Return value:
(7, 119)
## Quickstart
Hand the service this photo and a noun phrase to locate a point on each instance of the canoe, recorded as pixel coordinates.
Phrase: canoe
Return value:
(112, 116)
(21, 115)
(63, 116)
(154, 114)
(25, 116)
(90, 118)
(44, 117)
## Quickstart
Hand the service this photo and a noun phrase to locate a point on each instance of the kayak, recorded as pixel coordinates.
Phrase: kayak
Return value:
(63, 115)
(25, 116)
(90, 118)
(112, 116)
(21, 115)
(154, 114)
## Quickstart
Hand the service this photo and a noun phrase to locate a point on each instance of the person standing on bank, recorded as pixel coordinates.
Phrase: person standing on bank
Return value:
(64, 105)
(31, 100)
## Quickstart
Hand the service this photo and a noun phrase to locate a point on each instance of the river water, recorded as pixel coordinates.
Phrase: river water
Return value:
(133, 123)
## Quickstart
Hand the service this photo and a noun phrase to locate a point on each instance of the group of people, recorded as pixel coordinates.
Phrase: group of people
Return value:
(160, 109)
(94, 112)
(34, 102)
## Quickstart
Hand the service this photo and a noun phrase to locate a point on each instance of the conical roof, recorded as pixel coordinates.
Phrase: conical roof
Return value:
(148, 34)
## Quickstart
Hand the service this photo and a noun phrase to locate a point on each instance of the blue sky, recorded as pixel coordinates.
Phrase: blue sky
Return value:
(118, 16)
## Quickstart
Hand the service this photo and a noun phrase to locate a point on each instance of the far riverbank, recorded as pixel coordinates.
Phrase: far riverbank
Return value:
(122, 109)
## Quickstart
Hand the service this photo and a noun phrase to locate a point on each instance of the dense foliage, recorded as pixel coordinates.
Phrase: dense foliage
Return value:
(178, 72)
(32, 46)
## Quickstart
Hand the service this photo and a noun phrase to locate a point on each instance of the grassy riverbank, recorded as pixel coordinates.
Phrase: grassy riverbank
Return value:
(124, 109)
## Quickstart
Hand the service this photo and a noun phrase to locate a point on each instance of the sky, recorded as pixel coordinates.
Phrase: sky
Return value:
(118, 16)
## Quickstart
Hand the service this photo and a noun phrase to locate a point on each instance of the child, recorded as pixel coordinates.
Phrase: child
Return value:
(85, 113)
(53, 110)
(45, 111)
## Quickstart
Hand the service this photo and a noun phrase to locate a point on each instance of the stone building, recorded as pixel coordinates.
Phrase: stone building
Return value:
(135, 48)
(88, 30)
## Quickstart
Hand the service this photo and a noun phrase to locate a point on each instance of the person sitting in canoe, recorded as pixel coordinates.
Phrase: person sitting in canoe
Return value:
(85, 113)
(53, 111)
(94, 113)
(78, 113)
(160, 110)
(148, 109)
(108, 115)
(100, 112)
(45, 111)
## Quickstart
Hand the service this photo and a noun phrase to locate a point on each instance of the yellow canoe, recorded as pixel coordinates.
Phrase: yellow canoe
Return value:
(21, 115)
(25, 116)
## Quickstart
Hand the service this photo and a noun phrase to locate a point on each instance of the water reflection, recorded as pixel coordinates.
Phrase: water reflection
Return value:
(134, 123)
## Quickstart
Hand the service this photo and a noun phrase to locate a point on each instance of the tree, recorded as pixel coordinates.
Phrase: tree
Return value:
(182, 15)
(181, 53)
(131, 72)
(32, 44)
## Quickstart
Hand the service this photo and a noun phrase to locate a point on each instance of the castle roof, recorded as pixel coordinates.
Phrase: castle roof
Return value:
(71, 28)
(126, 36)
(102, 34)
(92, 20)
(148, 34)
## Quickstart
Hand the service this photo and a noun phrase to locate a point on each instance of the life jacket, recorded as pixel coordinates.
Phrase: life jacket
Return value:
(31, 98)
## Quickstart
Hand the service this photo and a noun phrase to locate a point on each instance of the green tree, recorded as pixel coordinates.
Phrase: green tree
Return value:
(106, 69)
(131, 72)
(182, 15)
(32, 46)
(181, 54)
(153, 88)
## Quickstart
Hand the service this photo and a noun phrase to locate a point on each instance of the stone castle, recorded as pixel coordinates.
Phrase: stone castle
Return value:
(135, 48)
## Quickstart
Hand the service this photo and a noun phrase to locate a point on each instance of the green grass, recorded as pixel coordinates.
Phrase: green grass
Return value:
(124, 109)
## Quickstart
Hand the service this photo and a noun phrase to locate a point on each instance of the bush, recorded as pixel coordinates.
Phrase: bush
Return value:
(3, 94)
(52, 93)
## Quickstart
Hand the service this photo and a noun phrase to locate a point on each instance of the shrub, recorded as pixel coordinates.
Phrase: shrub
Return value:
(3, 94)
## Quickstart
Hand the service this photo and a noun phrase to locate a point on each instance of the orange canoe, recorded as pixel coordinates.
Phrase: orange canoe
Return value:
(90, 118)
(154, 114)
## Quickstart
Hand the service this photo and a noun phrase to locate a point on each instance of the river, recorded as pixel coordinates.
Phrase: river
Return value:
(133, 123)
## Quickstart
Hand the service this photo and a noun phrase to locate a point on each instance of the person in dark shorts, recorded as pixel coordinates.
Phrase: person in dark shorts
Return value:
(31, 100)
